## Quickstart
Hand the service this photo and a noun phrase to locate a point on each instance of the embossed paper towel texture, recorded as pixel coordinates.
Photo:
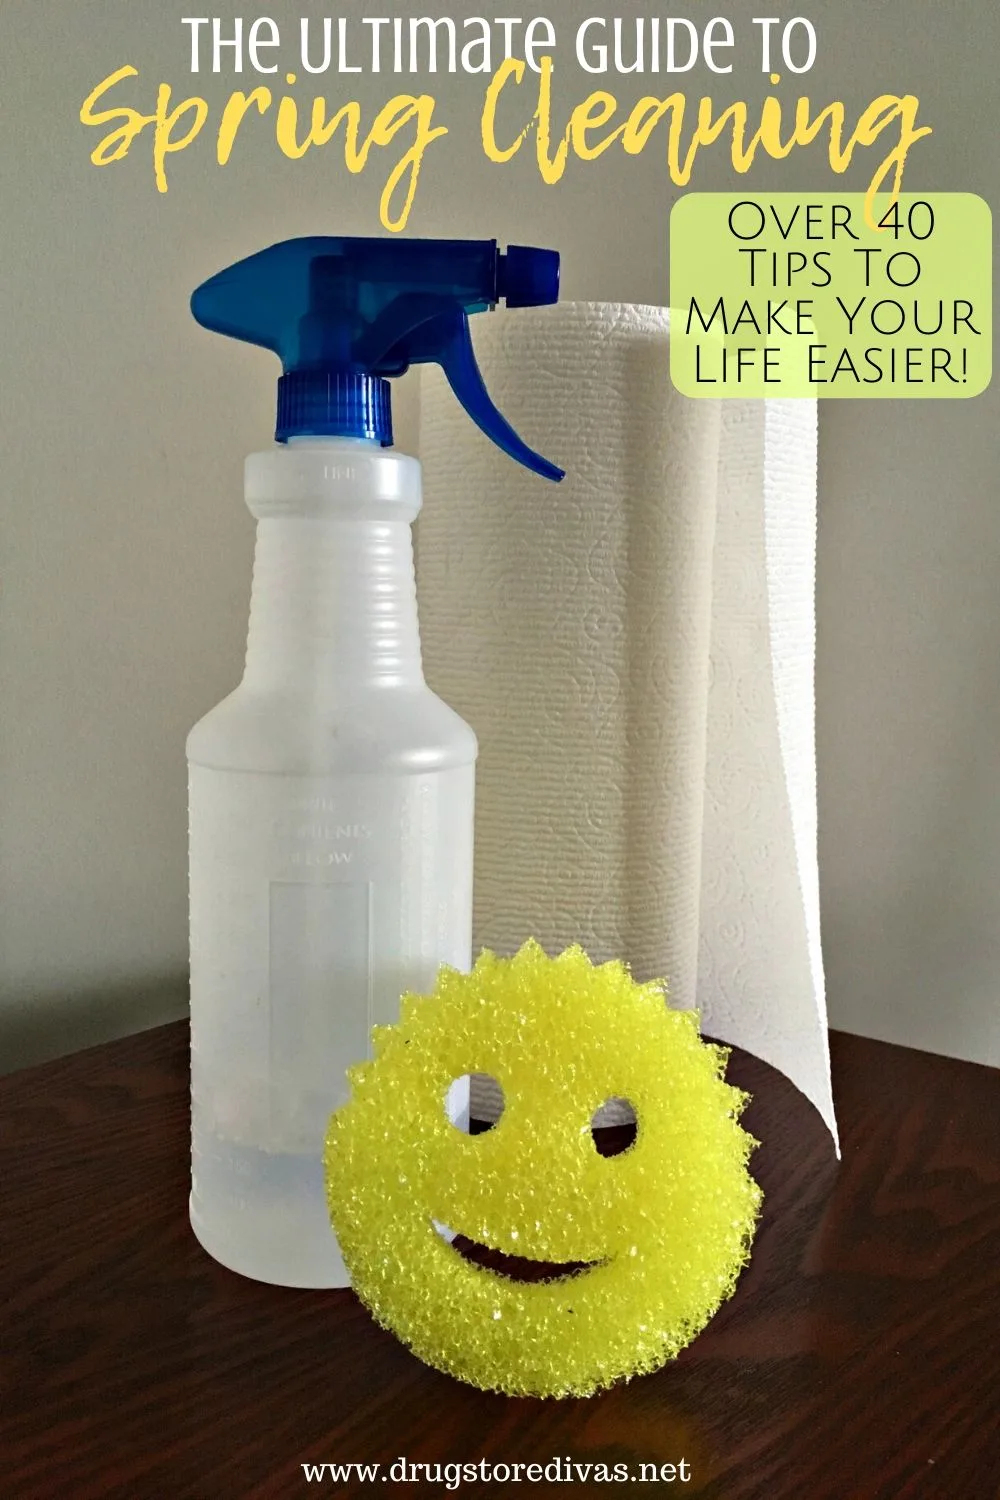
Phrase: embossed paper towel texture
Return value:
(634, 648)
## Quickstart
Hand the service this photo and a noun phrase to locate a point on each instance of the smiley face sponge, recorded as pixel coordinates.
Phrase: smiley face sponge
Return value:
(638, 1249)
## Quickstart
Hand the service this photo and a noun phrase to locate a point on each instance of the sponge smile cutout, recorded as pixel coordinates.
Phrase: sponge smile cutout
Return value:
(514, 1267)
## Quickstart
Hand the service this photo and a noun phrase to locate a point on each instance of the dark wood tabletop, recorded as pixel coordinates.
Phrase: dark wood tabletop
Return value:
(859, 1359)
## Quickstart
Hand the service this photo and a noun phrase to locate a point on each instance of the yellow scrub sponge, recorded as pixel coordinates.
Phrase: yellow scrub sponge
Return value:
(662, 1229)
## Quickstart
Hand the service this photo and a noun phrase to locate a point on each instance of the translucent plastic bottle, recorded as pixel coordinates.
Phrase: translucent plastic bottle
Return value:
(331, 827)
(331, 795)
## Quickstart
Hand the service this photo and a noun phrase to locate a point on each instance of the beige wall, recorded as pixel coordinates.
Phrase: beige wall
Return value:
(125, 548)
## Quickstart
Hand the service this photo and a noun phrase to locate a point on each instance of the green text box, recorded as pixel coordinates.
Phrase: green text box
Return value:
(796, 294)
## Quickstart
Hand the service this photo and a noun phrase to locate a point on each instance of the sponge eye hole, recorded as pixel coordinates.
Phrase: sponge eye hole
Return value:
(614, 1127)
(474, 1103)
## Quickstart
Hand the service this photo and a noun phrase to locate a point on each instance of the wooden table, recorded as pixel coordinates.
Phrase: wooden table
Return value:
(859, 1359)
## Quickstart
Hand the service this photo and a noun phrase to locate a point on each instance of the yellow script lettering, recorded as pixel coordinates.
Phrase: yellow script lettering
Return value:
(115, 146)
(166, 119)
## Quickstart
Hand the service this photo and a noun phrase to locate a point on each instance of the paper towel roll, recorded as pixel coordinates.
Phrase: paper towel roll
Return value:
(634, 648)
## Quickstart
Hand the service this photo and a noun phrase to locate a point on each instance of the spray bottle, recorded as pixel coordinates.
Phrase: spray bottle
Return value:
(331, 794)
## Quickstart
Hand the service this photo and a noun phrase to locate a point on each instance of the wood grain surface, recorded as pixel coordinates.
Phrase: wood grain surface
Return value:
(859, 1359)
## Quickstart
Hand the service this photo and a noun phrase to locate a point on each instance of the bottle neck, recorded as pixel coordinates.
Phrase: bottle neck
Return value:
(333, 608)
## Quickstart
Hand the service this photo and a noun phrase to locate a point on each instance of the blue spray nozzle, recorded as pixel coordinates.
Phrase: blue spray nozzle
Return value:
(344, 315)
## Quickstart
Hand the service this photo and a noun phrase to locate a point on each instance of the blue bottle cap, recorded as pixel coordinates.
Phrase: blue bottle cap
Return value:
(345, 315)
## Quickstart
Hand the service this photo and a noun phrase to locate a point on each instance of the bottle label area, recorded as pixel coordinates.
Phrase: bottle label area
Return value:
(319, 976)
(315, 903)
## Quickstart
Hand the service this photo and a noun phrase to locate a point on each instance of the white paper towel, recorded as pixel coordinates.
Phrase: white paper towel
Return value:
(635, 648)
